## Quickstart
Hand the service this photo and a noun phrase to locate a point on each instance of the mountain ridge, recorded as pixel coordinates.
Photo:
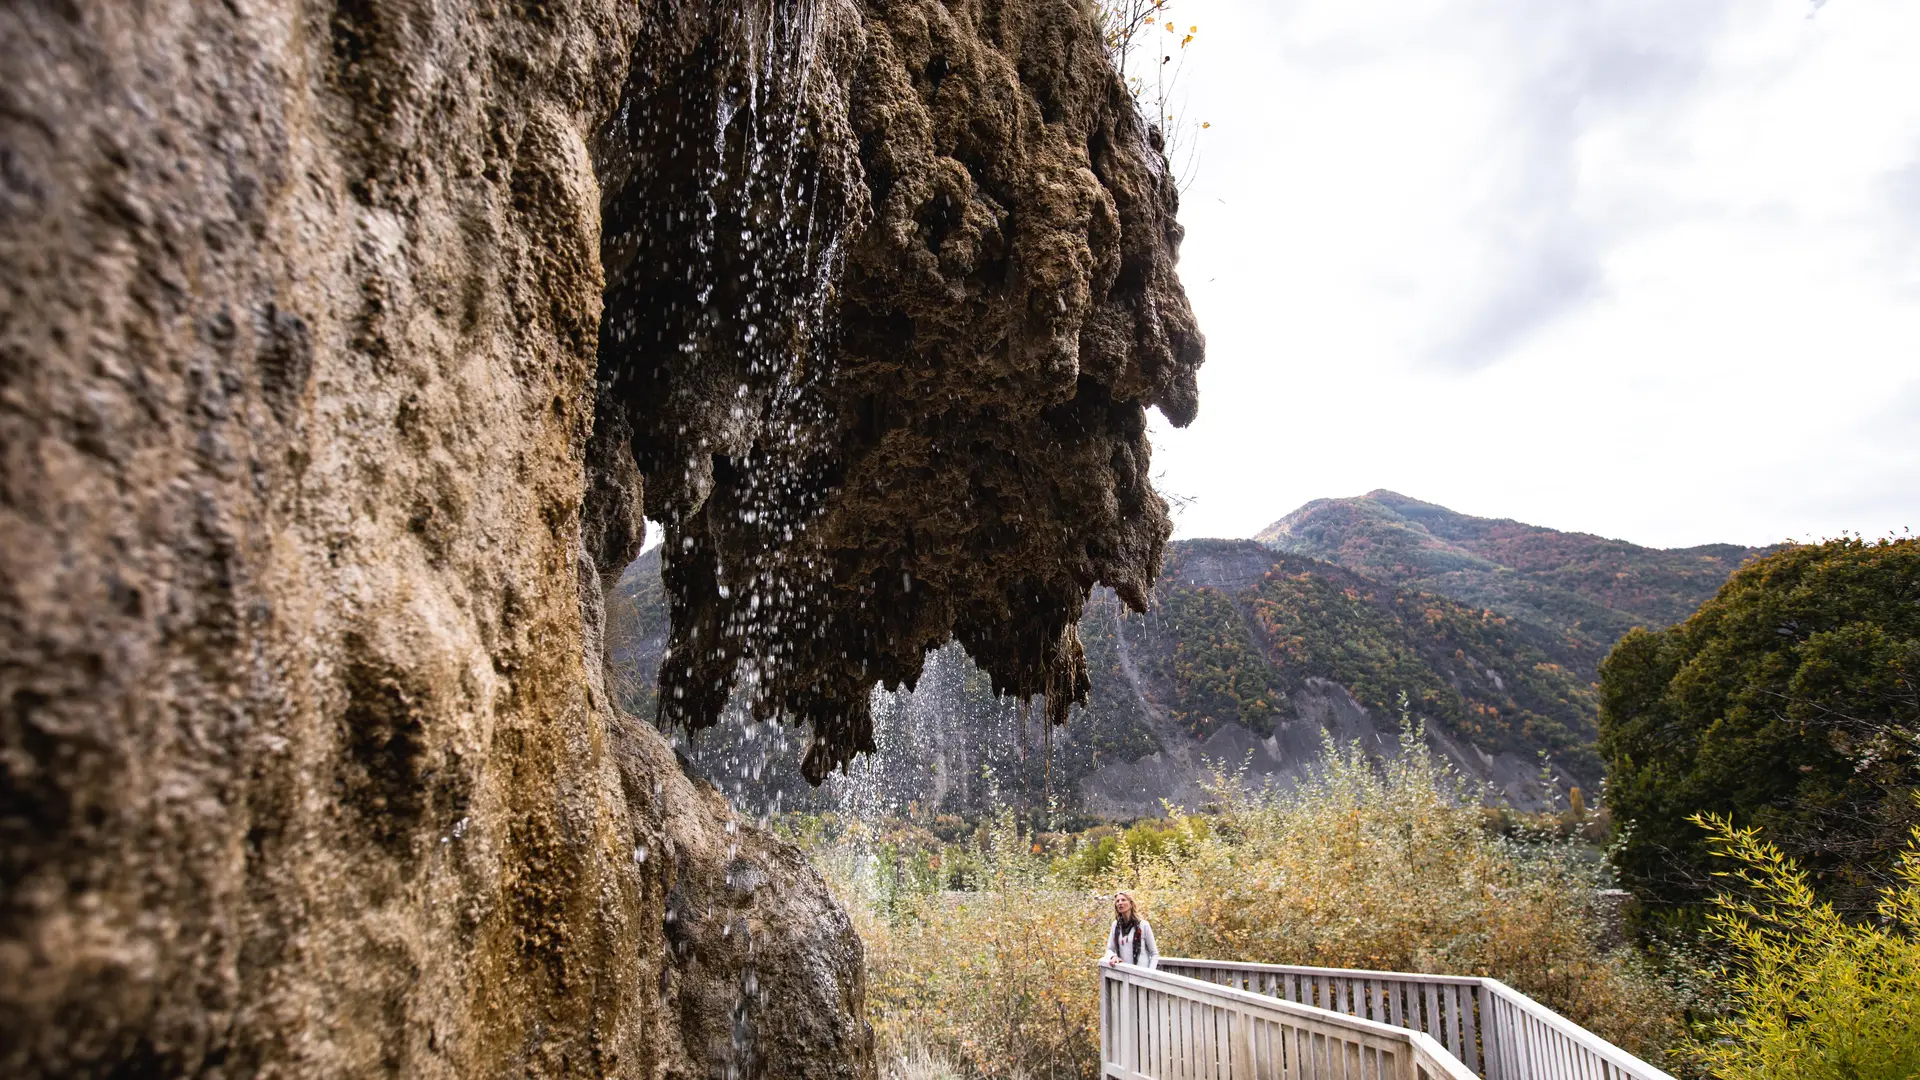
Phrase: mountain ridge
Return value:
(1588, 588)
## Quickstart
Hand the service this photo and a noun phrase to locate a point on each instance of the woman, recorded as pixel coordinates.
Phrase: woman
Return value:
(1131, 941)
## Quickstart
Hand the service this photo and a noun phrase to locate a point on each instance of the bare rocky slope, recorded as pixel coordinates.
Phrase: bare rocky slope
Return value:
(342, 347)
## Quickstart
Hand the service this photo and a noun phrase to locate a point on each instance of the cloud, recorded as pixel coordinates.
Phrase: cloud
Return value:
(1520, 297)
(1898, 206)
(1640, 268)
(1556, 75)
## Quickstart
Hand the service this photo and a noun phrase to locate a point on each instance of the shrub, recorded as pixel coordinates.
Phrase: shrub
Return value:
(1815, 995)
(1382, 864)
(1000, 981)
(1389, 865)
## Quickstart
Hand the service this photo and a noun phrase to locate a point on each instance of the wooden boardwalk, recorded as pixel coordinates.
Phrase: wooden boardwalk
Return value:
(1219, 1020)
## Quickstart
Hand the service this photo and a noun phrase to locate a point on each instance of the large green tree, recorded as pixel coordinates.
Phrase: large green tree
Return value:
(1790, 701)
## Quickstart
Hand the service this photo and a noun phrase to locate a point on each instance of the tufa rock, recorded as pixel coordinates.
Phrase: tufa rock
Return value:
(914, 409)
(328, 406)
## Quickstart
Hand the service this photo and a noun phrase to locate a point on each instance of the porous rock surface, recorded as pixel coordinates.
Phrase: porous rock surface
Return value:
(960, 448)
(322, 421)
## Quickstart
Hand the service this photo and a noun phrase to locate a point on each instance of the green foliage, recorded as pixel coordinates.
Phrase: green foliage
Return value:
(1216, 667)
(1789, 702)
(1816, 996)
(1101, 851)
(1475, 672)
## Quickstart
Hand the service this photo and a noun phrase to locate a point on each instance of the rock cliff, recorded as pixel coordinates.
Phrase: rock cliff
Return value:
(342, 347)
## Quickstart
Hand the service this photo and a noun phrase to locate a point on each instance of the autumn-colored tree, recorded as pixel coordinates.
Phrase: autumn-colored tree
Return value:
(1216, 666)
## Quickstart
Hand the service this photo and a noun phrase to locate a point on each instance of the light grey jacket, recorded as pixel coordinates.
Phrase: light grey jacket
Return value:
(1149, 955)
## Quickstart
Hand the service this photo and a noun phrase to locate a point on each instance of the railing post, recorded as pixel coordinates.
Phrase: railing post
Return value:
(1489, 1032)
(1106, 1028)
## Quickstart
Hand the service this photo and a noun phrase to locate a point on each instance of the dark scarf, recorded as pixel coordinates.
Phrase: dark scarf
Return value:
(1123, 927)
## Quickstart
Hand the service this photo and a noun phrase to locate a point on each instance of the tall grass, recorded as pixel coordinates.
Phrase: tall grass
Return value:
(1391, 865)
(1379, 864)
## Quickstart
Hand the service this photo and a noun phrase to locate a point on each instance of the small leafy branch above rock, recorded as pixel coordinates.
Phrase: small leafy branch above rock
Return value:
(1149, 50)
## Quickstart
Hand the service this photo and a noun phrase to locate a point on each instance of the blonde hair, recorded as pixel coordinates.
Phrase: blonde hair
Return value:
(1136, 931)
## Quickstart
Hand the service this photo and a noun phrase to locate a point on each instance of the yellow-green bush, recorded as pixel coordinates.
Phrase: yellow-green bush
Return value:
(1816, 997)
(1389, 865)
(1000, 979)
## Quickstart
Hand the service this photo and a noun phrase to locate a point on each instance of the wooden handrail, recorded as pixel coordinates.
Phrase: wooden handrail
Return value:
(1242, 965)
(1535, 1047)
(1156, 1025)
(1498, 1032)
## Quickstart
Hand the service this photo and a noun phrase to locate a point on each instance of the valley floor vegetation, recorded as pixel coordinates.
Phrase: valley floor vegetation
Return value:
(1764, 808)
(982, 943)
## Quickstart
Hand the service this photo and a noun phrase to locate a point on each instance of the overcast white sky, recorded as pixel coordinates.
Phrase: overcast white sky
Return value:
(1644, 268)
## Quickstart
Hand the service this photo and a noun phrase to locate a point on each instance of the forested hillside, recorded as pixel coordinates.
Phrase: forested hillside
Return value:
(1249, 657)
(1587, 590)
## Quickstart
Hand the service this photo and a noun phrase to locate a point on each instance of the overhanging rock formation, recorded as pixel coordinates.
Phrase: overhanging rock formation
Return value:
(341, 347)
(913, 405)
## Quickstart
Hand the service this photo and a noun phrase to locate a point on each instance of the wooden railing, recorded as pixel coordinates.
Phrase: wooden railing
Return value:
(1155, 1025)
(1498, 1032)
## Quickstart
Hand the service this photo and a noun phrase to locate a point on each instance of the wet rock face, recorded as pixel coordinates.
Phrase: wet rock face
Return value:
(327, 402)
(303, 767)
(941, 433)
